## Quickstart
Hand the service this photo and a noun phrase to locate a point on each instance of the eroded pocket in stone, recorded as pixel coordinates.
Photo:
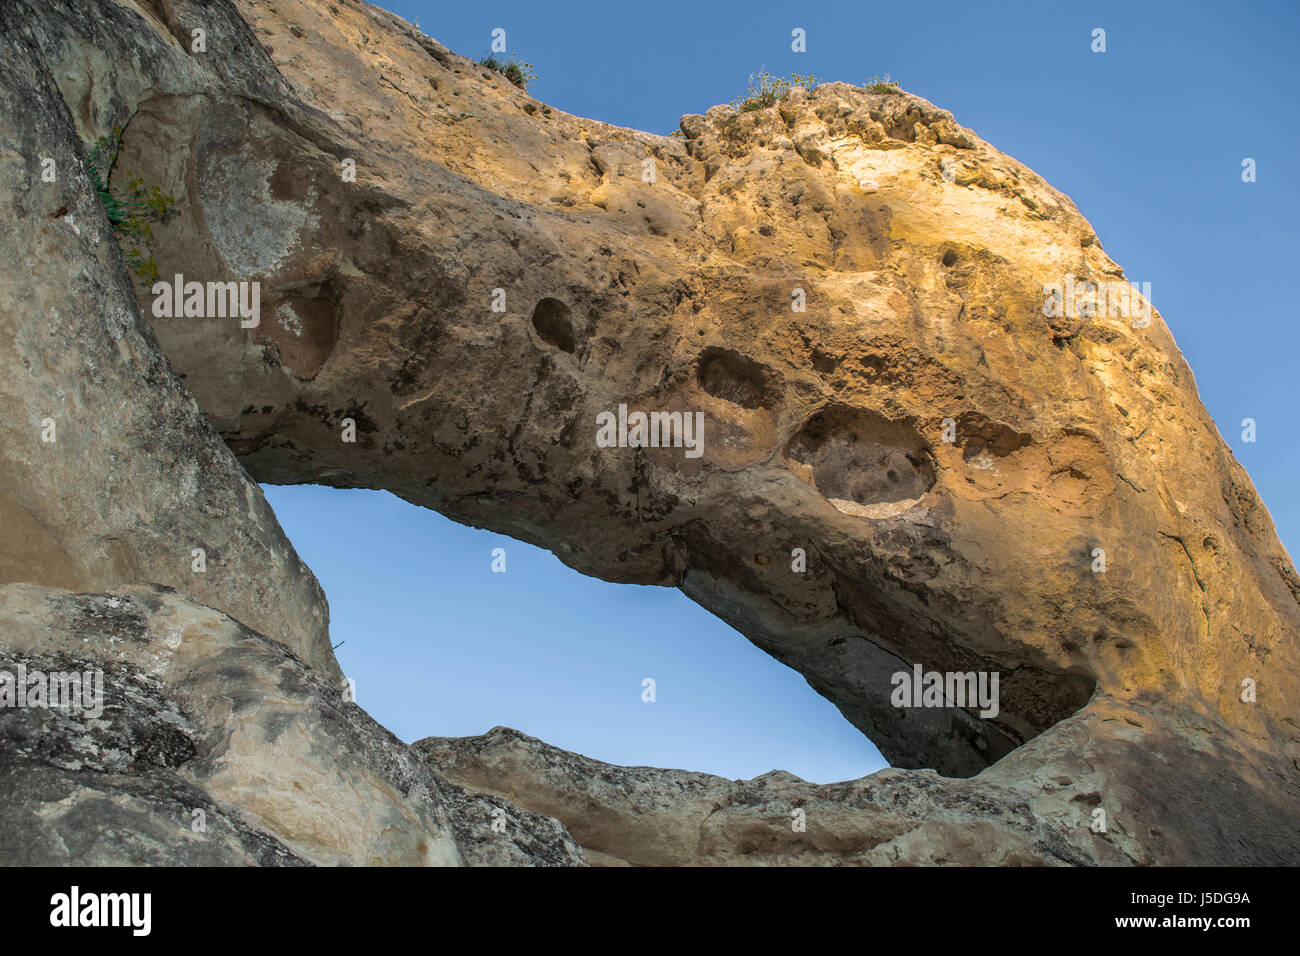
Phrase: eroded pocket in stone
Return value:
(982, 440)
(554, 324)
(733, 378)
(862, 462)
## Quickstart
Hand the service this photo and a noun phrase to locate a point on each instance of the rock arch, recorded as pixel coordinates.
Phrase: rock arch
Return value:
(1110, 680)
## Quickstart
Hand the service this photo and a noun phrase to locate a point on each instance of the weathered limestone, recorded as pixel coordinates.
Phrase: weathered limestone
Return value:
(135, 477)
(1113, 785)
(921, 252)
(201, 713)
(840, 284)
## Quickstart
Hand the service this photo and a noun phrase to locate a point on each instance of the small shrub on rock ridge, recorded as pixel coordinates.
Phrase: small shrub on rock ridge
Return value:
(881, 84)
(131, 212)
(770, 90)
(516, 71)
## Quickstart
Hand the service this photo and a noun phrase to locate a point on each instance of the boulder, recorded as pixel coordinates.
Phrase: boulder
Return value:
(214, 745)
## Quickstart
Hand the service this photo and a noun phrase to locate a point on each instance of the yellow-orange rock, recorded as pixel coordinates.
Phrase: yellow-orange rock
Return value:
(907, 459)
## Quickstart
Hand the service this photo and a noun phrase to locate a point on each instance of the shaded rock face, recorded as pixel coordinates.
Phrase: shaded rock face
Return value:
(1109, 786)
(199, 713)
(109, 472)
(906, 460)
(213, 743)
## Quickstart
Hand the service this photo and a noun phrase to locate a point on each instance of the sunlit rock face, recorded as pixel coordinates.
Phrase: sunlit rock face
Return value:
(911, 453)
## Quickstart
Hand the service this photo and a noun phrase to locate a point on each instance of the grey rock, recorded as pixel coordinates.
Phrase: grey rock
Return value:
(201, 712)
(137, 477)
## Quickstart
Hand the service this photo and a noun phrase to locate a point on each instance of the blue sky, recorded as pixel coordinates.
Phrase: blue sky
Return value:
(1148, 140)
(440, 644)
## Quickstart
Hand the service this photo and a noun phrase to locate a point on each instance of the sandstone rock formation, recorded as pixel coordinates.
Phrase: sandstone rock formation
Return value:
(905, 460)
(204, 714)
(110, 473)
(1160, 779)
(201, 713)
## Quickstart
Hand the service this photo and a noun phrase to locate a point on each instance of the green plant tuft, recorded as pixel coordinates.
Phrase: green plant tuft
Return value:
(516, 71)
(770, 90)
(132, 211)
(881, 84)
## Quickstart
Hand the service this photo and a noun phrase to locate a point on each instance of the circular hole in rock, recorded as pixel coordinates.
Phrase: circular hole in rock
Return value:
(950, 258)
(862, 462)
(554, 324)
(733, 378)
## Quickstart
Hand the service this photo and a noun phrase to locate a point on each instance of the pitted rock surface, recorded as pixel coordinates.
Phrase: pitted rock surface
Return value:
(135, 478)
(199, 712)
(837, 284)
